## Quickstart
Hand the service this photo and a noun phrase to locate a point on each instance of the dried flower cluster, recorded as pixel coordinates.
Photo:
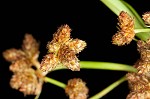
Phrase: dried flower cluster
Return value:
(126, 30)
(62, 50)
(139, 83)
(146, 18)
(25, 78)
(76, 89)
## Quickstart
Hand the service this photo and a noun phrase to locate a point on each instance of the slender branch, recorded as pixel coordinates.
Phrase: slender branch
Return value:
(36, 63)
(55, 82)
(103, 66)
(37, 96)
(117, 6)
(108, 89)
(141, 30)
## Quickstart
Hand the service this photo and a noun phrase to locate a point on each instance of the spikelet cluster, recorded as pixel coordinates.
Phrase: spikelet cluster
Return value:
(139, 83)
(146, 18)
(76, 89)
(62, 50)
(125, 33)
(25, 78)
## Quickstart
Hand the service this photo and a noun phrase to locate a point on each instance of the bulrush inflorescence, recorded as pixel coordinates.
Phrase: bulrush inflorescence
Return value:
(139, 83)
(27, 75)
(25, 78)
(76, 89)
(62, 50)
(126, 30)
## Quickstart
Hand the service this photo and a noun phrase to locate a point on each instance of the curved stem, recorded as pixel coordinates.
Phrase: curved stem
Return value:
(141, 30)
(103, 66)
(108, 89)
(55, 82)
(106, 66)
(37, 96)
(117, 6)
(36, 63)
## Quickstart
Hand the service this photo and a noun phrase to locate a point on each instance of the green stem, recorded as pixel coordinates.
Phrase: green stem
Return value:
(142, 30)
(106, 66)
(103, 66)
(117, 6)
(138, 19)
(108, 89)
(55, 82)
(37, 96)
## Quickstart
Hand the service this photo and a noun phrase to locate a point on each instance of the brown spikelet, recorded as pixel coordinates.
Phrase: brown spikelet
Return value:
(126, 30)
(68, 58)
(53, 47)
(30, 46)
(146, 18)
(76, 89)
(63, 34)
(76, 45)
(49, 62)
(26, 82)
(13, 54)
(60, 37)
(139, 83)
(139, 95)
(20, 65)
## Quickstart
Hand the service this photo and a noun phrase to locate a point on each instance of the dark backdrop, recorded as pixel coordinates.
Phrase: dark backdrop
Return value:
(89, 20)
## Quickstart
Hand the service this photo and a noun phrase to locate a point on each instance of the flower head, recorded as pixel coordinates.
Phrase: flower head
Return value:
(27, 82)
(62, 50)
(139, 83)
(25, 78)
(126, 30)
(76, 89)
(146, 18)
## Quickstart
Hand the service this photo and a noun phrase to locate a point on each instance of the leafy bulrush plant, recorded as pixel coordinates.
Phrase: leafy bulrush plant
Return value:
(29, 74)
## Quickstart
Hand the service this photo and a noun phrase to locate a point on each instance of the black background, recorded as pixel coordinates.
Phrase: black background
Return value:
(89, 20)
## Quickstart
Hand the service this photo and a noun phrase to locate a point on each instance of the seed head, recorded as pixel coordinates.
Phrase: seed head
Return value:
(146, 18)
(126, 30)
(62, 50)
(76, 89)
(139, 83)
